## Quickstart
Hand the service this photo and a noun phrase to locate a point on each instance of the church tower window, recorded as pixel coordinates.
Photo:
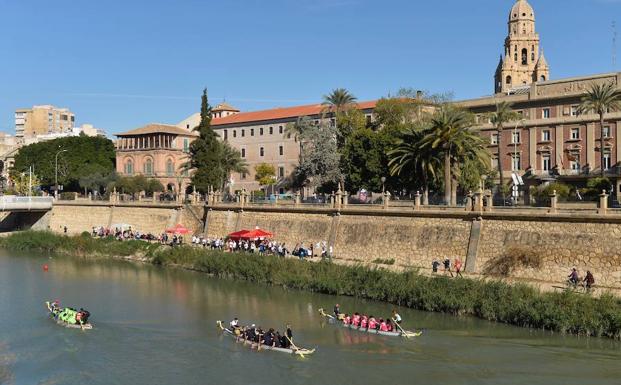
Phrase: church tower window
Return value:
(524, 56)
(508, 80)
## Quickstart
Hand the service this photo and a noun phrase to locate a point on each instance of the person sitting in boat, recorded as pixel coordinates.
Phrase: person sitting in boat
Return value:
(251, 333)
(278, 340)
(389, 325)
(372, 322)
(337, 311)
(268, 338)
(85, 315)
(364, 322)
(383, 327)
(347, 320)
(356, 320)
(234, 324)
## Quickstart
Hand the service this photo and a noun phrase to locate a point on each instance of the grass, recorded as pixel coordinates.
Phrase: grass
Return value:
(519, 305)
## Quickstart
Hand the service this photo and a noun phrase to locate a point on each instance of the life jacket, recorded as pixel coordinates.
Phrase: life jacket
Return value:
(347, 320)
(383, 327)
(372, 323)
(363, 323)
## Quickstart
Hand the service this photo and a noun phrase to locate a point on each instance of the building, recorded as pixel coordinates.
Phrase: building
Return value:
(222, 110)
(261, 137)
(552, 141)
(43, 120)
(155, 151)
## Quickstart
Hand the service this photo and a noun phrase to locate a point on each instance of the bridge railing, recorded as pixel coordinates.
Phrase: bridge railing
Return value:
(14, 202)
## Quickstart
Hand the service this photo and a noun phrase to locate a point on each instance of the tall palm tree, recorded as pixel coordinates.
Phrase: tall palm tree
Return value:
(450, 134)
(601, 99)
(338, 100)
(503, 114)
(232, 162)
(408, 157)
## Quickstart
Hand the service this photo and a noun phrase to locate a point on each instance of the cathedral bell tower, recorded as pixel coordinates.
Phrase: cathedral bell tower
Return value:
(523, 62)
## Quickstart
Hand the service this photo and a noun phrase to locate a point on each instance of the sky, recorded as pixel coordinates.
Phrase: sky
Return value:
(120, 64)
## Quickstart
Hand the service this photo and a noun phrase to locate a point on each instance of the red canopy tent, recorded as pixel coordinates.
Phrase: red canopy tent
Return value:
(179, 229)
(250, 234)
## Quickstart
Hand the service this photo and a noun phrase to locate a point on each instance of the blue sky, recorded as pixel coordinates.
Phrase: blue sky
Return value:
(121, 64)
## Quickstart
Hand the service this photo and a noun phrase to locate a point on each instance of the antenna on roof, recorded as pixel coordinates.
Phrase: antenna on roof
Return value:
(614, 45)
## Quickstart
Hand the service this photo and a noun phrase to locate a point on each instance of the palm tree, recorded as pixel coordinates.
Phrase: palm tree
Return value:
(601, 99)
(408, 156)
(338, 100)
(232, 162)
(503, 114)
(450, 135)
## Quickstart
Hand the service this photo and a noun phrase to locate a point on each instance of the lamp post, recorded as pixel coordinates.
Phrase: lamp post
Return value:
(56, 173)
(383, 179)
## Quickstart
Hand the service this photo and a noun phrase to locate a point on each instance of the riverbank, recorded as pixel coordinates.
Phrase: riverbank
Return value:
(518, 305)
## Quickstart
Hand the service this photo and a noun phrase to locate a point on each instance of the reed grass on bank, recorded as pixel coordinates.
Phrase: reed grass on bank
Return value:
(519, 305)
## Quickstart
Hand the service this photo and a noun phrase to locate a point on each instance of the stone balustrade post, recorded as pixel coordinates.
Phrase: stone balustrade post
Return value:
(603, 203)
(275, 199)
(489, 199)
(345, 198)
(553, 202)
(338, 199)
(297, 198)
(478, 200)
(210, 200)
(154, 197)
(469, 201)
(386, 200)
(332, 199)
(417, 200)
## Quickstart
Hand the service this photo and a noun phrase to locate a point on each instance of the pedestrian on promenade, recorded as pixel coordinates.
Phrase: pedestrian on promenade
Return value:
(447, 266)
(457, 265)
(434, 265)
(588, 281)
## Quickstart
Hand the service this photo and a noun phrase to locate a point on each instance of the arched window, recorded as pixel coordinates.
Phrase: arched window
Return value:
(129, 167)
(524, 56)
(508, 79)
(170, 168)
(542, 78)
(148, 167)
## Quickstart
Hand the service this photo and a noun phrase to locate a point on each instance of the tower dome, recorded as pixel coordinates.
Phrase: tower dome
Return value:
(521, 10)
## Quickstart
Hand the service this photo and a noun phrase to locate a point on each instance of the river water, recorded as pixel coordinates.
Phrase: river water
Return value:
(157, 326)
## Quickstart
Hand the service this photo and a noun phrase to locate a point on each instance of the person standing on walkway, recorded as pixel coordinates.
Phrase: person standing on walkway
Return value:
(457, 265)
(447, 266)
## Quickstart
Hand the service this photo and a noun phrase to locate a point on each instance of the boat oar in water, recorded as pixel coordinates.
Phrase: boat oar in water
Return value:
(406, 333)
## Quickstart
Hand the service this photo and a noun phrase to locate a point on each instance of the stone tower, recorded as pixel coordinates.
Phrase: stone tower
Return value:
(523, 62)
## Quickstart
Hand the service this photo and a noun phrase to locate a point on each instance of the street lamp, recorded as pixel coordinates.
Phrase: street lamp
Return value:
(383, 179)
(56, 173)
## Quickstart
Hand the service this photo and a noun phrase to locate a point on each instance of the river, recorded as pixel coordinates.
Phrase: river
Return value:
(158, 326)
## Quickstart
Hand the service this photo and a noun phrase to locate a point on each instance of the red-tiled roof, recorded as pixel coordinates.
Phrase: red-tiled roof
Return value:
(280, 113)
(156, 128)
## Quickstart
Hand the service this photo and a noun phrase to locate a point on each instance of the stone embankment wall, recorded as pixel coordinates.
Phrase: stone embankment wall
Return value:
(534, 246)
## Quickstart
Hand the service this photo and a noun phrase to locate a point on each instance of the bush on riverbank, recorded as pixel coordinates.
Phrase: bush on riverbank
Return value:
(491, 300)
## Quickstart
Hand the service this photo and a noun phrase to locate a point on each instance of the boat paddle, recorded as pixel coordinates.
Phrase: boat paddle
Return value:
(403, 332)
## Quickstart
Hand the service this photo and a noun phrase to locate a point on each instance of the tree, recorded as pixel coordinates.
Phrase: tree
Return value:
(206, 152)
(26, 183)
(450, 134)
(503, 114)
(319, 166)
(84, 156)
(265, 174)
(601, 99)
(411, 160)
(297, 129)
(338, 100)
(232, 162)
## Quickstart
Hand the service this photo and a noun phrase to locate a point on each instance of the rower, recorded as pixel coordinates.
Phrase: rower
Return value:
(396, 317)
(337, 311)
(85, 315)
(289, 334)
(234, 324)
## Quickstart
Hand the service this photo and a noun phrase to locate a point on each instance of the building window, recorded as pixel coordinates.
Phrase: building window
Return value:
(129, 167)
(281, 172)
(170, 168)
(187, 126)
(281, 150)
(607, 160)
(332, 122)
(494, 139)
(252, 132)
(243, 176)
(515, 162)
(545, 135)
(607, 132)
(271, 130)
(575, 133)
(243, 152)
(234, 133)
(524, 56)
(148, 167)
(186, 145)
(369, 119)
(243, 133)
(515, 137)
(574, 161)
(545, 114)
(508, 80)
(546, 162)
(226, 135)
(261, 151)
(280, 130)
(574, 110)
(260, 130)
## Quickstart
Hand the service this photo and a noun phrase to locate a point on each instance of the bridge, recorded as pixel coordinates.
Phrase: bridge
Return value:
(21, 203)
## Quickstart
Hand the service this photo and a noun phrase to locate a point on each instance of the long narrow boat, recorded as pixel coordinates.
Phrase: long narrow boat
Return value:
(86, 326)
(299, 351)
(401, 333)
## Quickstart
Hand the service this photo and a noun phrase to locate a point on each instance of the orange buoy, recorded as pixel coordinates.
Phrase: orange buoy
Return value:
(45, 267)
